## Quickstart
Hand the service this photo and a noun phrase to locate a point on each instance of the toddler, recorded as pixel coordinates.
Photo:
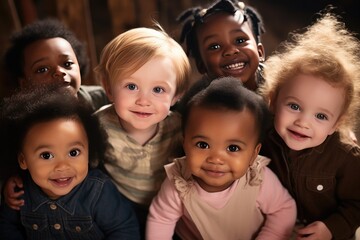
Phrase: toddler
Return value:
(144, 72)
(224, 39)
(52, 140)
(222, 188)
(46, 52)
(312, 86)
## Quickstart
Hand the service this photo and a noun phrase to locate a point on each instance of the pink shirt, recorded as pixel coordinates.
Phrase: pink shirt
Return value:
(273, 201)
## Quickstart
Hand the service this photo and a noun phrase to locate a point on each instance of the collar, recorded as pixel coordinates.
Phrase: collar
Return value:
(38, 198)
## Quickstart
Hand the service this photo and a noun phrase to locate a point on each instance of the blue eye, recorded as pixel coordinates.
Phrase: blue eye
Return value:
(74, 153)
(158, 90)
(294, 106)
(46, 155)
(202, 145)
(131, 87)
(321, 116)
(233, 148)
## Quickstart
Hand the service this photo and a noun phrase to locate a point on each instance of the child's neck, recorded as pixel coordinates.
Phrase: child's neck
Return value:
(251, 85)
(141, 136)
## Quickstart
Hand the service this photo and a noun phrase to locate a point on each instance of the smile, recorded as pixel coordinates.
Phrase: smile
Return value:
(214, 173)
(235, 66)
(62, 182)
(297, 135)
(142, 114)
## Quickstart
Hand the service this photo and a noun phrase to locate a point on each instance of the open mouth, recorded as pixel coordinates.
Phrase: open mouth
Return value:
(298, 135)
(62, 182)
(235, 66)
(142, 114)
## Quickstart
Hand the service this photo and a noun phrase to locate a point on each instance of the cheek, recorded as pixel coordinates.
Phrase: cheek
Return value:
(281, 116)
(77, 76)
(240, 167)
(83, 169)
(36, 80)
(122, 99)
(38, 172)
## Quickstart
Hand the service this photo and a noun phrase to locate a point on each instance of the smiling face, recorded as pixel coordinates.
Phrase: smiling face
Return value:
(306, 111)
(49, 61)
(228, 48)
(220, 147)
(56, 155)
(144, 98)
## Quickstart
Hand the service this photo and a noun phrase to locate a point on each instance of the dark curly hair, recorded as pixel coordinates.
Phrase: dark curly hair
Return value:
(42, 29)
(193, 18)
(45, 103)
(228, 93)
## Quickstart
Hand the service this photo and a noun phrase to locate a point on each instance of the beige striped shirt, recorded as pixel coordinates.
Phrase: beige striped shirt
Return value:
(138, 171)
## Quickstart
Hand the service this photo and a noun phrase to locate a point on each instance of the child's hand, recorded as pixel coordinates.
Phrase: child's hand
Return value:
(10, 195)
(313, 231)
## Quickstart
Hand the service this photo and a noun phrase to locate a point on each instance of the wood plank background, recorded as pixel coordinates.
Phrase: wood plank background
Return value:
(96, 22)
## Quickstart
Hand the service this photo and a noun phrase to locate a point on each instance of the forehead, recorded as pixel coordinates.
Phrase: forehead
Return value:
(223, 120)
(313, 91)
(223, 22)
(48, 47)
(56, 130)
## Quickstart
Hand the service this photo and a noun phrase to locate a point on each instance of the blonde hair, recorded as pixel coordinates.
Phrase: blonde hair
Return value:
(130, 50)
(326, 50)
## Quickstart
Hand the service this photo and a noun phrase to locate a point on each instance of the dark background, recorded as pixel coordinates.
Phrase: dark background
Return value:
(96, 22)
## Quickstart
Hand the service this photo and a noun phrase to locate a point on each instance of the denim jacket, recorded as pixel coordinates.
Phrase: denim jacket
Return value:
(324, 181)
(94, 209)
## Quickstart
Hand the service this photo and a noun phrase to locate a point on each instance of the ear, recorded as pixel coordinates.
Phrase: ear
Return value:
(175, 99)
(261, 52)
(21, 161)
(336, 127)
(271, 107)
(107, 88)
(256, 153)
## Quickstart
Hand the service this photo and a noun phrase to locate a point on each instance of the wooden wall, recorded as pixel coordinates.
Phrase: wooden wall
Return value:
(96, 22)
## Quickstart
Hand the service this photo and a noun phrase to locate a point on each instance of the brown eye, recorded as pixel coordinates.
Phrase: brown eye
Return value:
(74, 153)
(202, 145)
(46, 155)
(233, 148)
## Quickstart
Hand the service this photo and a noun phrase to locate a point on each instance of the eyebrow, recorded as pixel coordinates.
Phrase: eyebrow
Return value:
(77, 143)
(45, 58)
(229, 140)
(237, 30)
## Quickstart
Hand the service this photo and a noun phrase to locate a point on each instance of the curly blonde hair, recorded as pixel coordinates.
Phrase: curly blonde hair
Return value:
(326, 50)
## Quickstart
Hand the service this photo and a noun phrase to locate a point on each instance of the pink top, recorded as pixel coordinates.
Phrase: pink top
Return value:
(272, 200)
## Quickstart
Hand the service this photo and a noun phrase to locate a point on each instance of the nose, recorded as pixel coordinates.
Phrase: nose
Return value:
(60, 74)
(215, 158)
(302, 121)
(231, 50)
(62, 165)
(142, 99)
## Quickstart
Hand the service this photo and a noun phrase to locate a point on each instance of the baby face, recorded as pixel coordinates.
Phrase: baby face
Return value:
(56, 155)
(220, 146)
(144, 98)
(307, 110)
(48, 61)
(228, 48)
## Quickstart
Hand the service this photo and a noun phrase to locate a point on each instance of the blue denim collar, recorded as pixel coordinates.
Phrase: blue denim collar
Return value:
(38, 197)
